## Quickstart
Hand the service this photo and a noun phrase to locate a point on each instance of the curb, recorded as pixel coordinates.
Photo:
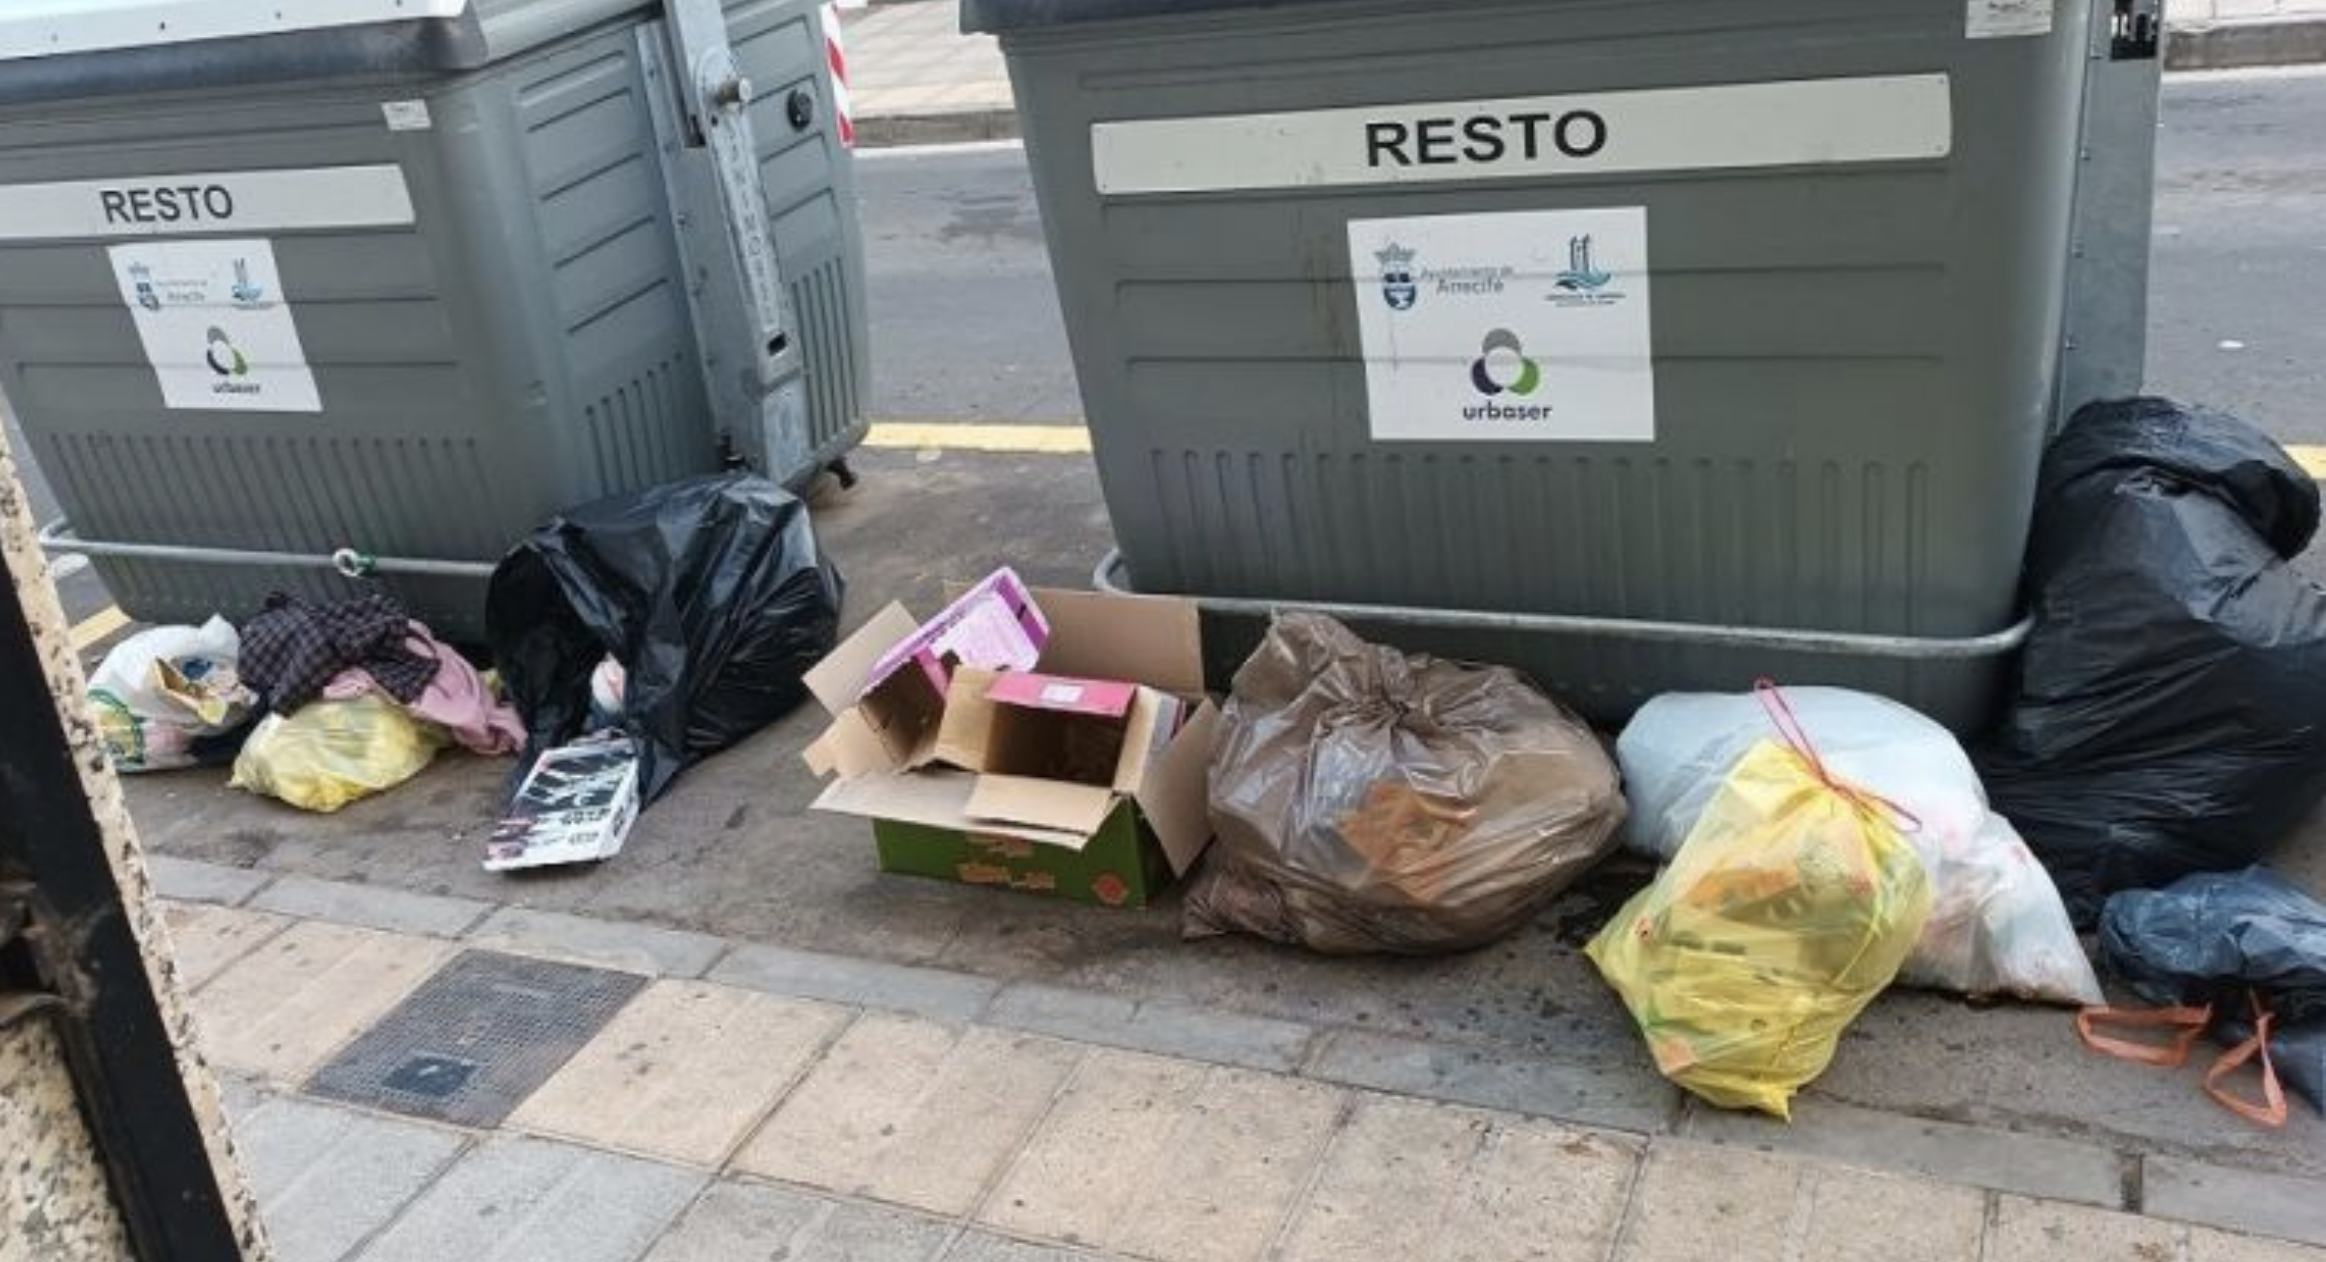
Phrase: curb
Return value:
(2233, 45)
(937, 127)
(1621, 1096)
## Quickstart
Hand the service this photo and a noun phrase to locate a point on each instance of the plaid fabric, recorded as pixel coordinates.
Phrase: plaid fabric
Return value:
(293, 649)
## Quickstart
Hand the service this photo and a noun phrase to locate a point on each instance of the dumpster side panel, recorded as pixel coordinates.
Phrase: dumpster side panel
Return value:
(628, 409)
(1855, 363)
(2106, 342)
(398, 460)
(810, 181)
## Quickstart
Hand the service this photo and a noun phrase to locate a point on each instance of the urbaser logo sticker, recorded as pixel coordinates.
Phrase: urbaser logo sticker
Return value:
(1502, 366)
(216, 323)
(1506, 327)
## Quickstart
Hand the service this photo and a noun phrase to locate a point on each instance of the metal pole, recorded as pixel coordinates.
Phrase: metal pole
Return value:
(58, 536)
(1111, 576)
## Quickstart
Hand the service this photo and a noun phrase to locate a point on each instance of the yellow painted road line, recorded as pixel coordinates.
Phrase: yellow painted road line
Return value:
(1045, 440)
(90, 632)
(2312, 460)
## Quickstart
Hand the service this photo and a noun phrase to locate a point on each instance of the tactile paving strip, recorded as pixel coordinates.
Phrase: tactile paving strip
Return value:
(476, 1039)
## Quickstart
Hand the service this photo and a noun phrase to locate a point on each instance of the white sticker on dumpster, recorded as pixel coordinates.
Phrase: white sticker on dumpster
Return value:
(191, 205)
(1732, 126)
(1523, 327)
(2007, 19)
(216, 325)
(407, 115)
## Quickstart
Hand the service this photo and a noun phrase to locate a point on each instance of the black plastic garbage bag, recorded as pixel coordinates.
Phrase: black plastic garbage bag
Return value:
(2220, 938)
(711, 593)
(2170, 715)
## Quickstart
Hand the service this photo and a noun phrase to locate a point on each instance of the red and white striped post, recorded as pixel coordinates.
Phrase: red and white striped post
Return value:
(836, 55)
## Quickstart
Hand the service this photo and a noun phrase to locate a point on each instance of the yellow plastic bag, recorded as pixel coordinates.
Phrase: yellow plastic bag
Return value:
(1791, 905)
(332, 753)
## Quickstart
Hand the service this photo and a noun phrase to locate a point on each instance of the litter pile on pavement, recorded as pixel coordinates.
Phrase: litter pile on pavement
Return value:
(1818, 845)
(319, 706)
(633, 637)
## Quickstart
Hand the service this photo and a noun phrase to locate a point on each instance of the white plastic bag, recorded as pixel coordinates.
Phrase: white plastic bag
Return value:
(1997, 925)
(161, 692)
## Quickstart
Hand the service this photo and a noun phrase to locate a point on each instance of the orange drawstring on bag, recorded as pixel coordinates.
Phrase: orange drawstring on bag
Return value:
(1797, 738)
(2271, 1110)
(2188, 1023)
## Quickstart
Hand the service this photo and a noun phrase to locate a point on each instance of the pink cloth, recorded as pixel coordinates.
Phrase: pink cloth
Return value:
(458, 701)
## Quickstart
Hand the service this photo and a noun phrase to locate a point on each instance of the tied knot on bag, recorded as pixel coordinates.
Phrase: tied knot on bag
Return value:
(1390, 697)
(1400, 698)
(1796, 737)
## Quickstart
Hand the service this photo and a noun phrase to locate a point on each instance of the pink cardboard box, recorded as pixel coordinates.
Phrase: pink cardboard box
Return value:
(1098, 697)
(994, 626)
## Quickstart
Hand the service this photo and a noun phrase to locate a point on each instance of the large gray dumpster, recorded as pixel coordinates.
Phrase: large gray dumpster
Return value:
(1640, 343)
(398, 279)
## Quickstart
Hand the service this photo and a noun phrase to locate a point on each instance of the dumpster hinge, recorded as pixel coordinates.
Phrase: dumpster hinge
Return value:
(753, 364)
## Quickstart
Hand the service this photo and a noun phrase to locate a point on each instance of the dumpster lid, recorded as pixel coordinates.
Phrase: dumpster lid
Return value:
(58, 28)
(992, 17)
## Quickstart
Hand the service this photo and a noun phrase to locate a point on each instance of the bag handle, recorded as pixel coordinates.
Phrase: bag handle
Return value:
(2271, 1109)
(2188, 1022)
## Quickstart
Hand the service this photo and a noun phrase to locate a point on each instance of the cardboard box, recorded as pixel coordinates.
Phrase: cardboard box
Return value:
(1080, 780)
(1055, 728)
(888, 682)
(1120, 867)
(995, 624)
(577, 805)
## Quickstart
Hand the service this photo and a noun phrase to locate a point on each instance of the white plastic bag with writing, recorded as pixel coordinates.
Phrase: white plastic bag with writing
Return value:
(1997, 925)
(160, 693)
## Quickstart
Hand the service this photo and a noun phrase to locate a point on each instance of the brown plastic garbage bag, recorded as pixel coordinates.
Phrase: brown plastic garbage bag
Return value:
(1367, 801)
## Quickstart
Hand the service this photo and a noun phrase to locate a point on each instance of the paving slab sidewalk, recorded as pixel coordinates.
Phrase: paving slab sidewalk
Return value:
(708, 1121)
(914, 78)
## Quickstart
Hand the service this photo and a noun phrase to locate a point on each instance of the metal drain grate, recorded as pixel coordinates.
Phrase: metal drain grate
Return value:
(476, 1039)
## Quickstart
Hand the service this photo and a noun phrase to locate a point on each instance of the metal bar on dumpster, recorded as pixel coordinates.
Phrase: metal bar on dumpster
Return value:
(58, 536)
(1110, 578)
(718, 96)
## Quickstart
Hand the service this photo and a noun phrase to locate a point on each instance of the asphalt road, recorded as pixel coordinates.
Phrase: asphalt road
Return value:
(2237, 297)
(966, 325)
(965, 322)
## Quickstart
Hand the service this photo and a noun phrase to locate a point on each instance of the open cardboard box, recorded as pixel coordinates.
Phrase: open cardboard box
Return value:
(889, 704)
(1077, 782)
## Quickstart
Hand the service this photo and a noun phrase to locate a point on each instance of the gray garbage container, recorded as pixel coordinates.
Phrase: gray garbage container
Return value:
(398, 279)
(1642, 345)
